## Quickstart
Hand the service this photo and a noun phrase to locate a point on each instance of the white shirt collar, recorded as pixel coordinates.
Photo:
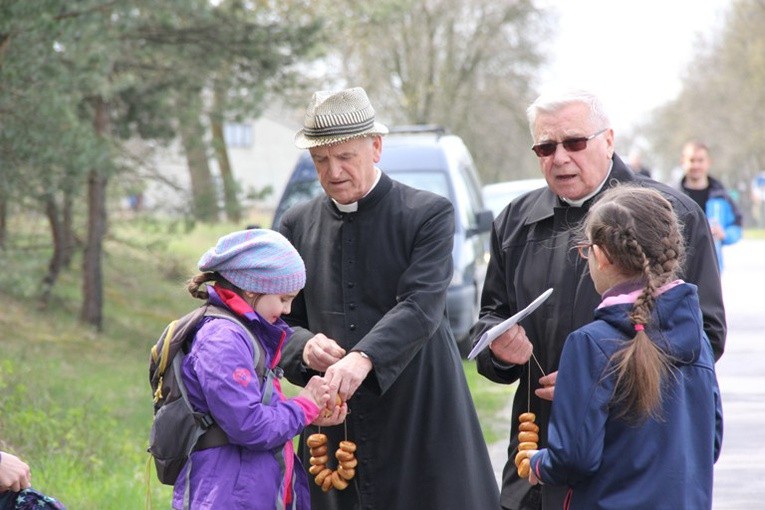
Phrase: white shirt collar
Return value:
(354, 206)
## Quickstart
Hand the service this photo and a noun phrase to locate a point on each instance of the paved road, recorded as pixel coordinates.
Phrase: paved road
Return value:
(740, 472)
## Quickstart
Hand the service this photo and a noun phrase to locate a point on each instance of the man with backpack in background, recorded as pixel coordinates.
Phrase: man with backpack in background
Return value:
(723, 214)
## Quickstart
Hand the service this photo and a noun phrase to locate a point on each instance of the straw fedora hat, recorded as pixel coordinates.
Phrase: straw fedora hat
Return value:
(334, 117)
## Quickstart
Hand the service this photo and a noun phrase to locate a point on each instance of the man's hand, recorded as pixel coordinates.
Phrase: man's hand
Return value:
(15, 475)
(346, 375)
(321, 352)
(512, 346)
(547, 391)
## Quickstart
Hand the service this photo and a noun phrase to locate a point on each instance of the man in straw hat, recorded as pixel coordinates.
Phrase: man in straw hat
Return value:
(372, 317)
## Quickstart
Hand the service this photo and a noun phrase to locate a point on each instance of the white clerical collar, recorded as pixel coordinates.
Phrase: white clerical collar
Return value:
(578, 202)
(354, 206)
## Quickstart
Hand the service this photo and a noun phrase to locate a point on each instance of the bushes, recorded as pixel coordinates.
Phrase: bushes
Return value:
(76, 404)
(68, 422)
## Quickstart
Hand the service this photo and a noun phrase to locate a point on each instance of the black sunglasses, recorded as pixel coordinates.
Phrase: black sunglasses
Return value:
(570, 144)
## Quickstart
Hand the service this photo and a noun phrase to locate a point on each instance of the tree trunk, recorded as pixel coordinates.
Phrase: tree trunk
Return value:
(69, 241)
(5, 41)
(56, 260)
(92, 278)
(3, 221)
(204, 197)
(230, 196)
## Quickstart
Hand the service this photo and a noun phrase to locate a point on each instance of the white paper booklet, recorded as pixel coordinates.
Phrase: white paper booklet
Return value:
(503, 326)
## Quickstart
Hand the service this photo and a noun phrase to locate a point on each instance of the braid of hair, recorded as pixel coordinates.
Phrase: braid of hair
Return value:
(641, 311)
(640, 365)
(642, 237)
(670, 259)
(196, 284)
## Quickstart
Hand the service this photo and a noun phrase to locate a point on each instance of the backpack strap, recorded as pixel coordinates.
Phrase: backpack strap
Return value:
(160, 358)
(214, 435)
(258, 353)
(210, 434)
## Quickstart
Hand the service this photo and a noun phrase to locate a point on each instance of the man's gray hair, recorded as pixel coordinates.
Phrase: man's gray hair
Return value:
(553, 101)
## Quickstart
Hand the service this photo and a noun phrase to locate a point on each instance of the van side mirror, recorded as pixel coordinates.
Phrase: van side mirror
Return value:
(483, 221)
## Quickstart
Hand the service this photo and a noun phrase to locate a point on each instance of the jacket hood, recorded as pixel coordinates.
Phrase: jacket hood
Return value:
(676, 325)
(271, 336)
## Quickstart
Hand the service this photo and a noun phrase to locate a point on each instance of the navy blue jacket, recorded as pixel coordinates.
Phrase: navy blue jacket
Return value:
(611, 464)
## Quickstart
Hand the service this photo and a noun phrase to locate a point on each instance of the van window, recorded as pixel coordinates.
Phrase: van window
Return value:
(295, 193)
(435, 182)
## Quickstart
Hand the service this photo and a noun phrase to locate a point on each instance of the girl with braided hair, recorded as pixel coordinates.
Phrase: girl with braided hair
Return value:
(636, 420)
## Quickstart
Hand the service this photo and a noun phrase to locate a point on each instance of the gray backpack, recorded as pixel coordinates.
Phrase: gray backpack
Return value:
(177, 430)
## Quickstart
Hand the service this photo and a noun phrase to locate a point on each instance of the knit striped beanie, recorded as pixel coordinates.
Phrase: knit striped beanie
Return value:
(257, 260)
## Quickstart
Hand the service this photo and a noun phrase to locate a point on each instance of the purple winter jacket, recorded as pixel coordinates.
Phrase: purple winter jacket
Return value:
(251, 471)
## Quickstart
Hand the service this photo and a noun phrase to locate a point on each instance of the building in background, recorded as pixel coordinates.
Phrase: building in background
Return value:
(261, 153)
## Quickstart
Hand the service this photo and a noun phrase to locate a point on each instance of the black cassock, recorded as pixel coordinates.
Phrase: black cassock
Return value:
(376, 282)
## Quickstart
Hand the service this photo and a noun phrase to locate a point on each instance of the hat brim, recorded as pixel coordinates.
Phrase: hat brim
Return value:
(304, 142)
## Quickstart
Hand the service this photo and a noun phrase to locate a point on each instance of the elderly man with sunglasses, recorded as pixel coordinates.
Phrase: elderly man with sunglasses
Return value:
(534, 247)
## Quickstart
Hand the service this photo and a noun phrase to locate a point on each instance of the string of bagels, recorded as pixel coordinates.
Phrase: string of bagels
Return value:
(345, 455)
(528, 431)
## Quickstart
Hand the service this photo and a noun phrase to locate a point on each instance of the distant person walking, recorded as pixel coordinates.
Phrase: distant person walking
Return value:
(635, 162)
(723, 214)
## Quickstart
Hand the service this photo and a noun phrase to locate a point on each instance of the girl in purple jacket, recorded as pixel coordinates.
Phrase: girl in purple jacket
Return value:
(636, 420)
(256, 274)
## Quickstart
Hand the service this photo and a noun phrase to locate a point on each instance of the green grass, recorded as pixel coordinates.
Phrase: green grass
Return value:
(492, 401)
(76, 403)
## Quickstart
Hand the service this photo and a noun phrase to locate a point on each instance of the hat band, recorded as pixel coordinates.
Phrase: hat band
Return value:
(339, 130)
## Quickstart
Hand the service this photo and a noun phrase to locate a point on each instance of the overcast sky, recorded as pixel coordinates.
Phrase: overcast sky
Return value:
(632, 53)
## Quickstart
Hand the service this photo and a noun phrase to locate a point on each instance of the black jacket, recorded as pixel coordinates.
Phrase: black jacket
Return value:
(533, 249)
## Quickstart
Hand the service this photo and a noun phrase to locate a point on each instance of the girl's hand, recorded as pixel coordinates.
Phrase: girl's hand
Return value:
(533, 480)
(317, 390)
(328, 418)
